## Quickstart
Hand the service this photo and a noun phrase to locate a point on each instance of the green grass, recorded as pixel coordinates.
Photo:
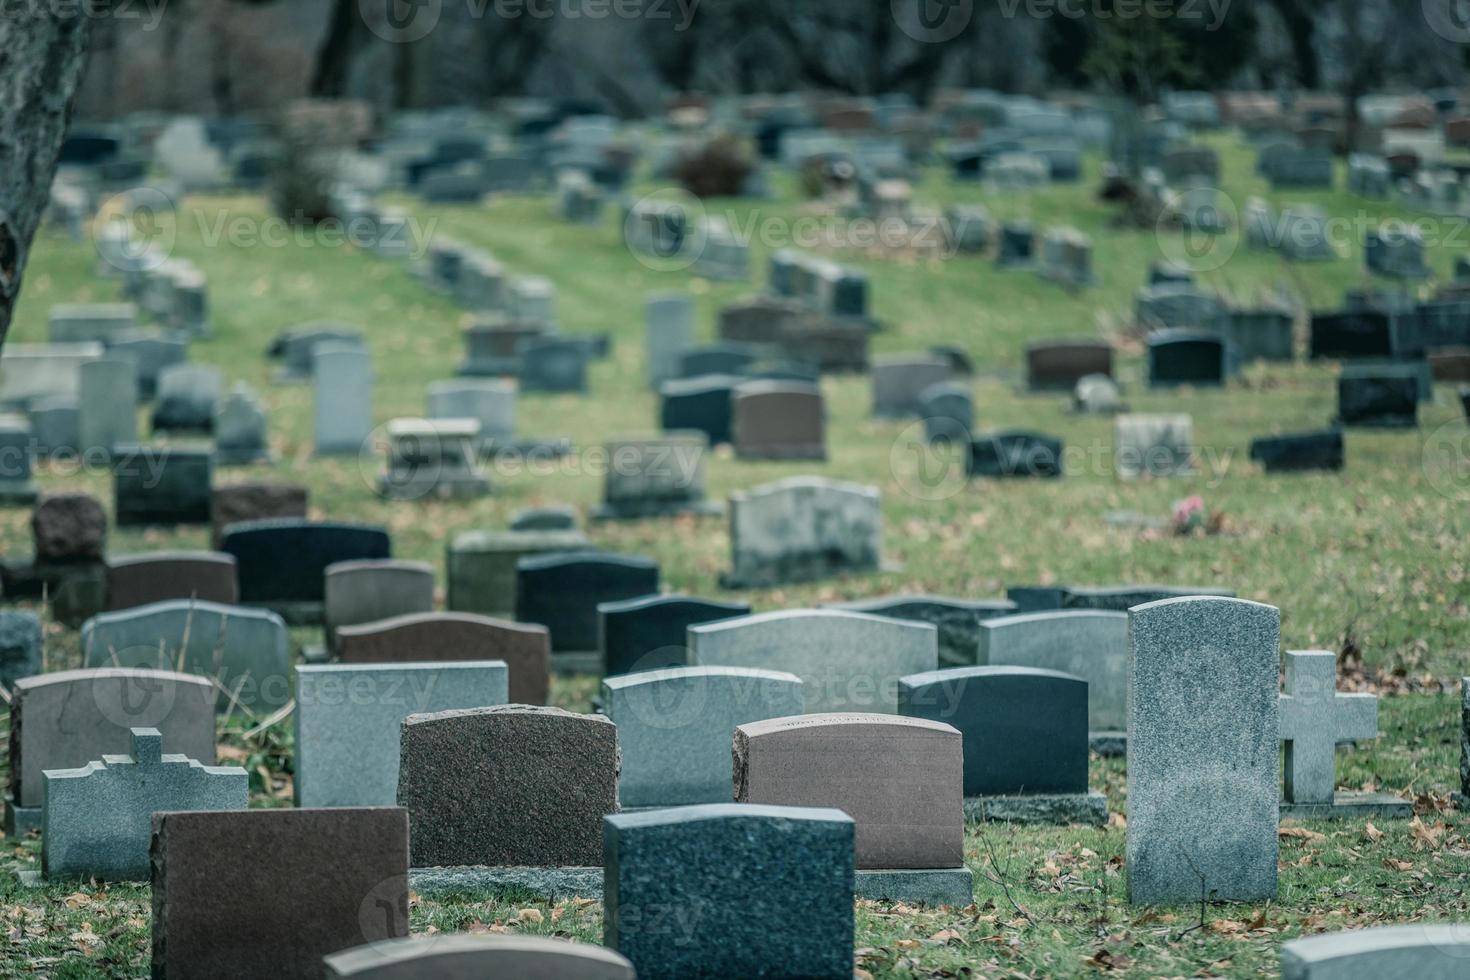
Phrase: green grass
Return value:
(1373, 558)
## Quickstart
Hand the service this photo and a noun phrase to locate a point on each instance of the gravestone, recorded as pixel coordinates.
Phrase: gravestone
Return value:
(282, 562)
(433, 458)
(1314, 719)
(731, 875)
(1066, 257)
(240, 429)
(658, 476)
(1424, 951)
(701, 404)
(1059, 365)
(97, 819)
(1395, 251)
(56, 427)
(1097, 394)
(17, 450)
(81, 323)
(1176, 306)
(481, 566)
(803, 529)
(649, 632)
(1379, 397)
(33, 371)
(669, 332)
(185, 399)
(1204, 768)
(900, 779)
(107, 414)
(557, 517)
(342, 398)
(66, 719)
(493, 345)
(675, 725)
(1299, 451)
(1121, 598)
(461, 956)
(847, 661)
(348, 718)
(1016, 243)
(69, 528)
(1025, 740)
(365, 591)
(490, 402)
(238, 503)
(1304, 234)
(314, 881)
(778, 420)
(158, 576)
(20, 646)
(1005, 455)
(900, 379)
(1153, 445)
(553, 365)
(562, 593)
(446, 637)
(957, 620)
(722, 358)
(1186, 357)
(508, 787)
(245, 651)
(948, 411)
(1353, 334)
(1090, 644)
(161, 485)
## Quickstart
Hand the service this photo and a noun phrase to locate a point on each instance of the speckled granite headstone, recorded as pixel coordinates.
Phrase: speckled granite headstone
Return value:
(1024, 730)
(847, 661)
(349, 716)
(803, 529)
(1092, 645)
(97, 819)
(675, 726)
(442, 637)
(900, 779)
(729, 892)
(562, 592)
(1204, 758)
(247, 894)
(449, 956)
(511, 786)
(649, 632)
(20, 646)
(957, 620)
(69, 527)
(1424, 951)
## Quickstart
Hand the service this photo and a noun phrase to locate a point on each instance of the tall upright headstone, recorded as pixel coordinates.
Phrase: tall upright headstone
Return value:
(108, 410)
(670, 326)
(343, 398)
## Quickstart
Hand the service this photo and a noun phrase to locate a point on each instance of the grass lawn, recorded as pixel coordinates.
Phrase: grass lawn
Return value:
(1371, 560)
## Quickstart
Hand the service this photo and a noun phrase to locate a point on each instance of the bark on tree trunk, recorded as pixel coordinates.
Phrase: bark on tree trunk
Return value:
(42, 57)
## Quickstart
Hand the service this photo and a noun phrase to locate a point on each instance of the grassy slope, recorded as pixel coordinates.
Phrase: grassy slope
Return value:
(1376, 553)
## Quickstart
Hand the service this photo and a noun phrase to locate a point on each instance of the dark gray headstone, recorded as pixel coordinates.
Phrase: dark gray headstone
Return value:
(285, 560)
(161, 485)
(553, 364)
(1378, 397)
(701, 404)
(1352, 334)
(1121, 598)
(562, 592)
(648, 633)
(1186, 357)
(1299, 451)
(957, 620)
(1015, 454)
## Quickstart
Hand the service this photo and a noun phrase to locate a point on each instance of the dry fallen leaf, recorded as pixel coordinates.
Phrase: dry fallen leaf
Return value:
(1373, 833)
(532, 916)
(947, 936)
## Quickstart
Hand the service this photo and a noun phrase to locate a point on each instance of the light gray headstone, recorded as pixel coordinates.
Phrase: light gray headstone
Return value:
(97, 820)
(670, 326)
(240, 428)
(491, 402)
(1422, 951)
(366, 591)
(1204, 757)
(343, 406)
(675, 728)
(348, 718)
(1314, 718)
(847, 661)
(801, 529)
(108, 410)
(1086, 644)
(80, 323)
(1153, 445)
(30, 371)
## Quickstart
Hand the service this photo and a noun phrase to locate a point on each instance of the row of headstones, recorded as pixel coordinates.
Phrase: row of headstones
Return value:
(897, 817)
(706, 244)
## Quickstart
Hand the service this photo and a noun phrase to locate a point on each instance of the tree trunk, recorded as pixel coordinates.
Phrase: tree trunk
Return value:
(338, 48)
(42, 57)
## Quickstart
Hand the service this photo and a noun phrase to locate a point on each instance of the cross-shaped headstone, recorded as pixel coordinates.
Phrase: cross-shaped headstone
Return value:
(1314, 718)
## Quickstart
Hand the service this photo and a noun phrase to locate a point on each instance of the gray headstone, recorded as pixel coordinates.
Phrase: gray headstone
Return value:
(108, 410)
(958, 620)
(80, 323)
(461, 956)
(98, 819)
(1204, 769)
(670, 332)
(900, 379)
(186, 398)
(1153, 445)
(343, 398)
(803, 529)
(356, 592)
(348, 718)
(492, 403)
(481, 566)
(1087, 644)
(240, 429)
(847, 661)
(1314, 718)
(675, 727)
(1423, 951)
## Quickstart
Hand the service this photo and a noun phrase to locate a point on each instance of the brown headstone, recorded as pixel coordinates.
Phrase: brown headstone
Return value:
(779, 420)
(69, 527)
(508, 786)
(901, 779)
(241, 502)
(137, 580)
(1059, 365)
(268, 893)
(1450, 363)
(66, 719)
(436, 637)
(472, 957)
